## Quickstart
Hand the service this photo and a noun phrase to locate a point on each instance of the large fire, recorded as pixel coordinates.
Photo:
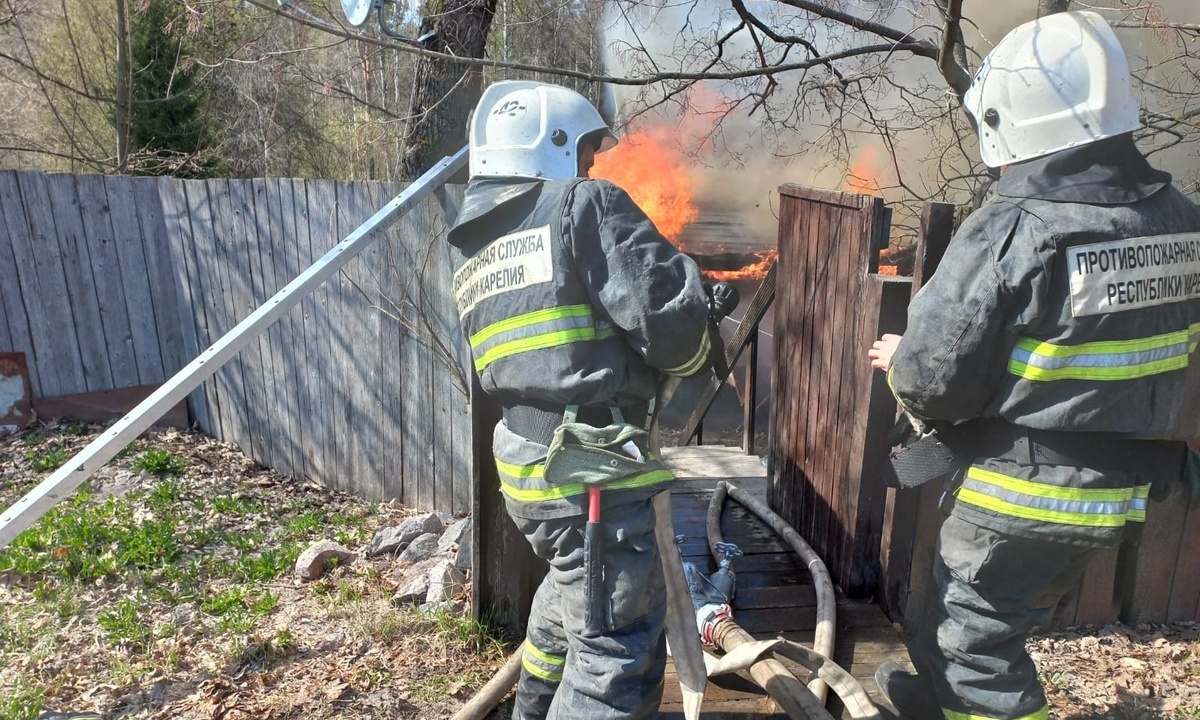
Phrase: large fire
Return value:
(648, 166)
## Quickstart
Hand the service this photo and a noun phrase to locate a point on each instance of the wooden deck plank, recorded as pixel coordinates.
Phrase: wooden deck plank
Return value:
(775, 593)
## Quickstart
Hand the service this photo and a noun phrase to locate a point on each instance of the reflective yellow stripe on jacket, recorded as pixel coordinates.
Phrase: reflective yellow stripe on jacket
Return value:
(1089, 507)
(537, 330)
(526, 483)
(696, 363)
(1104, 360)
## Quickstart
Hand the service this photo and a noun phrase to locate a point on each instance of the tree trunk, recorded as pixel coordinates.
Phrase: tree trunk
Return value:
(123, 90)
(444, 91)
(1049, 7)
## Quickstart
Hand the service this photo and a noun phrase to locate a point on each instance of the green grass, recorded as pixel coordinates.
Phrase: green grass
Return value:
(74, 429)
(267, 565)
(476, 634)
(237, 609)
(438, 687)
(158, 462)
(237, 505)
(47, 459)
(1192, 713)
(124, 625)
(21, 703)
(150, 577)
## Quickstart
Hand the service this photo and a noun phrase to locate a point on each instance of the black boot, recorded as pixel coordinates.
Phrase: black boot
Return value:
(910, 694)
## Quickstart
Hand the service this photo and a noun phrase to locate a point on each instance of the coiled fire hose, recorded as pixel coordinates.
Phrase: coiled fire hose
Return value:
(792, 696)
(823, 636)
(798, 701)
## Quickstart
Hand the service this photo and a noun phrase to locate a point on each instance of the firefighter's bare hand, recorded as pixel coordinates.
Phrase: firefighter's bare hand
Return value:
(882, 350)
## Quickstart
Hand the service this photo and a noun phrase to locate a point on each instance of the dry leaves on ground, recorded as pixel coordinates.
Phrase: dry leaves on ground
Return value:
(1123, 673)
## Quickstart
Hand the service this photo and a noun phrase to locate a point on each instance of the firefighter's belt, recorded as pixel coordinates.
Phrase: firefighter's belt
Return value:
(952, 447)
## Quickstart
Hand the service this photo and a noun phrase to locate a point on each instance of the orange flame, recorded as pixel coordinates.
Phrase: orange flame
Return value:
(755, 271)
(648, 166)
(864, 172)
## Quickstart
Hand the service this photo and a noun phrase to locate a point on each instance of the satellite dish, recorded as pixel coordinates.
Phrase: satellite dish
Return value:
(357, 11)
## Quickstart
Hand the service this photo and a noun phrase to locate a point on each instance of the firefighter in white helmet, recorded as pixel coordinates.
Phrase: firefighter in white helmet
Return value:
(575, 307)
(1055, 350)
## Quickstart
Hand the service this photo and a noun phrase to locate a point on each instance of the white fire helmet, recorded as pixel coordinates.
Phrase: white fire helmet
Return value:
(1054, 83)
(532, 129)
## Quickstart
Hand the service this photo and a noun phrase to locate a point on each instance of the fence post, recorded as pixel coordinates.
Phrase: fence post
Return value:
(911, 518)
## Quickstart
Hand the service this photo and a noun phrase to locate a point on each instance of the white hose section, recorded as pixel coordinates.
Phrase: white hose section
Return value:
(773, 676)
(858, 703)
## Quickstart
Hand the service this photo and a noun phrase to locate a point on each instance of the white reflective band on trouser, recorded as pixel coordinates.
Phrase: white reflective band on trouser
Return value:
(1085, 507)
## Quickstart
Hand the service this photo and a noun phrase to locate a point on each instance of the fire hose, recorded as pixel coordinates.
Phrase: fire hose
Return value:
(742, 651)
(798, 701)
(823, 636)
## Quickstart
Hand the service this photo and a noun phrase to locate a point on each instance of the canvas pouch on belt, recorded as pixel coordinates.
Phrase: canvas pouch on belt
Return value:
(582, 453)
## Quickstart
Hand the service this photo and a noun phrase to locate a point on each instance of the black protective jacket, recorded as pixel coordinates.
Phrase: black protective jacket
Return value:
(1070, 302)
(569, 296)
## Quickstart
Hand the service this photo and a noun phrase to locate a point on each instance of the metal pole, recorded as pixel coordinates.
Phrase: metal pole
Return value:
(79, 468)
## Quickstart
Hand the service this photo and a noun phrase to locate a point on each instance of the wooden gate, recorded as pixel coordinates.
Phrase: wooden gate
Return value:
(826, 444)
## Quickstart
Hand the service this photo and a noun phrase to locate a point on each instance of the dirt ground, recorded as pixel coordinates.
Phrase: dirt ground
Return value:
(164, 589)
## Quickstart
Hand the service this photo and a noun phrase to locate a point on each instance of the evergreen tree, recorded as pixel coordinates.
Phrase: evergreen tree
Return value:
(169, 133)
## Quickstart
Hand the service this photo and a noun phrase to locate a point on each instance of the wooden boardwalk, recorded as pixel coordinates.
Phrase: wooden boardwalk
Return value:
(775, 594)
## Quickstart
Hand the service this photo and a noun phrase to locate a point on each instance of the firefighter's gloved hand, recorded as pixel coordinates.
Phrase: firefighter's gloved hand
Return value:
(723, 299)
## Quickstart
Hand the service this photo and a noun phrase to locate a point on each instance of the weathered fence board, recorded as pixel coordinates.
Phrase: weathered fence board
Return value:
(66, 223)
(239, 268)
(43, 284)
(116, 281)
(206, 292)
(136, 279)
(391, 363)
(16, 323)
(111, 305)
(417, 436)
(822, 478)
(189, 303)
(322, 380)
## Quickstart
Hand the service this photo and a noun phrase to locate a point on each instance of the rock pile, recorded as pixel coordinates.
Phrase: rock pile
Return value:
(434, 560)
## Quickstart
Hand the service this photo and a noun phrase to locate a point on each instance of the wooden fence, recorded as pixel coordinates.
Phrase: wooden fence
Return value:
(109, 282)
(830, 435)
